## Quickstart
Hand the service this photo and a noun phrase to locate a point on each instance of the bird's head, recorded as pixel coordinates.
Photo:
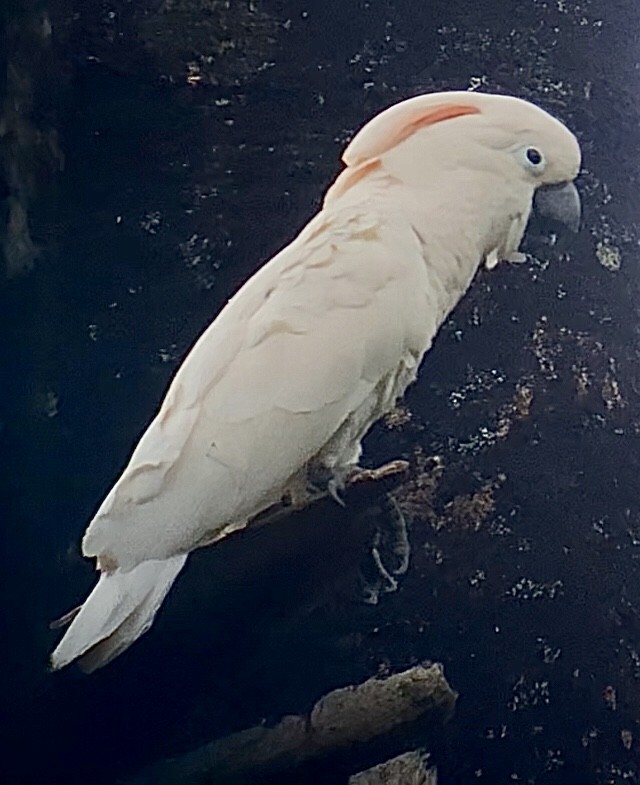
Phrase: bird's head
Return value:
(466, 138)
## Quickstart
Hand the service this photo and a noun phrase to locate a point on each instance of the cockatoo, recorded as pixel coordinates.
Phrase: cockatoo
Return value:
(321, 341)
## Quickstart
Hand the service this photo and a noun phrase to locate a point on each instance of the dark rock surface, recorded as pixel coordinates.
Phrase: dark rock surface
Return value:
(197, 138)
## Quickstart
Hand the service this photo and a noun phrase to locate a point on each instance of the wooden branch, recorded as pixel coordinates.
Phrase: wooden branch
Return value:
(342, 720)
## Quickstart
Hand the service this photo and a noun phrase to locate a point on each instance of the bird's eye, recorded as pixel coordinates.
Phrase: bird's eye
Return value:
(534, 156)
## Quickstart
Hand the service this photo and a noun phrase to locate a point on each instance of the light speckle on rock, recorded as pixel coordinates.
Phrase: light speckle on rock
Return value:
(609, 255)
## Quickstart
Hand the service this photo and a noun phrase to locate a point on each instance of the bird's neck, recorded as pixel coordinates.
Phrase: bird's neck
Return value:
(453, 241)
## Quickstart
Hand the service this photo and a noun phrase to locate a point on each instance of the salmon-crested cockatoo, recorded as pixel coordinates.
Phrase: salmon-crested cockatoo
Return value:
(321, 341)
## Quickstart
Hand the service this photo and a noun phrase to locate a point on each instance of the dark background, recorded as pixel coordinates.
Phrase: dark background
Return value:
(160, 153)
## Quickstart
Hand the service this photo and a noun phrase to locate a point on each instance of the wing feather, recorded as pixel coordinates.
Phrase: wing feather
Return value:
(293, 354)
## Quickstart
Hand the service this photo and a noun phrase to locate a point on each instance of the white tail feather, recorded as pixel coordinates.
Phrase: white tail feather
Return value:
(119, 610)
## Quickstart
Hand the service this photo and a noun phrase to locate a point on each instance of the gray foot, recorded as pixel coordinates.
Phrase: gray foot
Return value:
(321, 479)
(389, 555)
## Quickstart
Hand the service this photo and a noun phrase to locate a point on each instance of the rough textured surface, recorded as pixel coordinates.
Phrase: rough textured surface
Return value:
(345, 719)
(408, 769)
(523, 427)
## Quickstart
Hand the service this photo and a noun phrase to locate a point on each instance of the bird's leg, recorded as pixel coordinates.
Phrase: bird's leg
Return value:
(390, 545)
(322, 478)
(389, 552)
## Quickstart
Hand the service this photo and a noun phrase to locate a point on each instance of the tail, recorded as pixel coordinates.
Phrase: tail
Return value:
(119, 610)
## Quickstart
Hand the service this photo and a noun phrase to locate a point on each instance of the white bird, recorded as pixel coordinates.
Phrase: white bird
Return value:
(321, 341)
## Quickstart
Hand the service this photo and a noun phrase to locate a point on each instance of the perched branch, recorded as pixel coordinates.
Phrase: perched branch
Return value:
(362, 487)
(342, 720)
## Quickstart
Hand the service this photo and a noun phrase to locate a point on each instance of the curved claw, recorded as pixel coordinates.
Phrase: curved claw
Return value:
(332, 481)
(335, 487)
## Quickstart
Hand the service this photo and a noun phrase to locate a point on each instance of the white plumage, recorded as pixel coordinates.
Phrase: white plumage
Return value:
(319, 343)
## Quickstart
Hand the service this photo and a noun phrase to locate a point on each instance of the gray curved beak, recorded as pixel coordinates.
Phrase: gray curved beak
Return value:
(559, 203)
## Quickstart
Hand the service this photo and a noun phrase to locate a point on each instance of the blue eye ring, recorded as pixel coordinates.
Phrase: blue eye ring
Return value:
(534, 156)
